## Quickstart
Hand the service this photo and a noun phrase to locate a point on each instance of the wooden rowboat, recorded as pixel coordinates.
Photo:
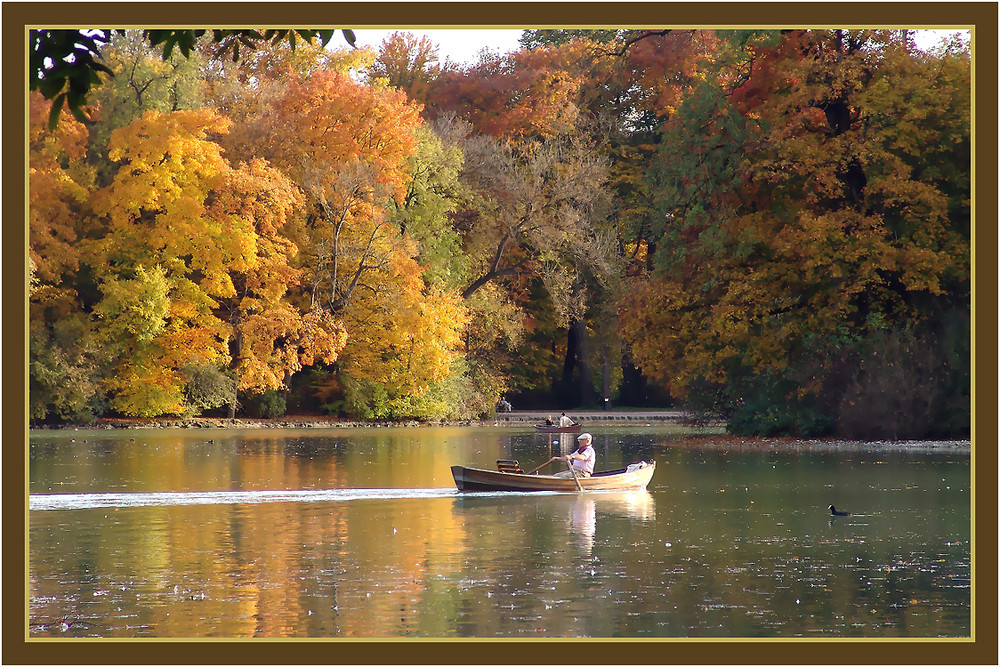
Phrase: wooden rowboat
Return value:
(635, 476)
(545, 428)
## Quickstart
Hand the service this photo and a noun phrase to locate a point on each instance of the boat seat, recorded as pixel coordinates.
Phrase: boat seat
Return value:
(509, 465)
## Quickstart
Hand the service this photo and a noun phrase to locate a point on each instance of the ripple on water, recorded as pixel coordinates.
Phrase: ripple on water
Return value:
(76, 501)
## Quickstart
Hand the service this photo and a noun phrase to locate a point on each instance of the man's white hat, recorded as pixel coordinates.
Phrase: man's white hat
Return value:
(585, 436)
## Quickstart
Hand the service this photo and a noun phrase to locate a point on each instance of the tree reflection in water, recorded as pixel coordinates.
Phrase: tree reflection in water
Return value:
(362, 534)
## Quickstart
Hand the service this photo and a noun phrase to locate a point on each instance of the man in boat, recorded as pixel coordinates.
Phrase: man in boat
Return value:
(582, 459)
(565, 421)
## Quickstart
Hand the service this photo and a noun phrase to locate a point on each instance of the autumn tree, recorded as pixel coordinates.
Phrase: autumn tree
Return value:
(345, 145)
(503, 97)
(406, 63)
(66, 363)
(348, 148)
(531, 39)
(191, 269)
(244, 88)
(535, 213)
(404, 338)
(59, 182)
(143, 81)
(609, 88)
(273, 339)
(796, 218)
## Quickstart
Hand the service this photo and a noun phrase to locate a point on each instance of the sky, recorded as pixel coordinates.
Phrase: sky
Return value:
(463, 45)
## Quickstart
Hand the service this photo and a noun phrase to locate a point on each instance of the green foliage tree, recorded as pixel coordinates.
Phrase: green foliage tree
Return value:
(67, 365)
(65, 65)
(433, 192)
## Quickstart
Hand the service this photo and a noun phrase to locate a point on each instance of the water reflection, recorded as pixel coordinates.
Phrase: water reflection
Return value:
(362, 534)
(583, 522)
(583, 512)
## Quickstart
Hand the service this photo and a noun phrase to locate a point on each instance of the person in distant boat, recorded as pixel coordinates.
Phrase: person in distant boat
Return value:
(548, 421)
(582, 459)
(564, 420)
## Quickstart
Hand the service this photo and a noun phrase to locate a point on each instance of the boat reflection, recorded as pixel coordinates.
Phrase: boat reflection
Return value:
(581, 513)
(636, 504)
(583, 509)
(583, 522)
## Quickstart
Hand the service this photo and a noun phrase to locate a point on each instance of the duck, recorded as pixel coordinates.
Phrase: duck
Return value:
(835, 512)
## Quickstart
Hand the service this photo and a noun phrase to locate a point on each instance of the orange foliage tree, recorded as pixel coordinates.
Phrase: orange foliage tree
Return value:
(59, 182)
(406, 63)
(347, 146)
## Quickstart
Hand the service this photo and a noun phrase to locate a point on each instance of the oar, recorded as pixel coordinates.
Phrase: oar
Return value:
(542, 466)
(575, 478)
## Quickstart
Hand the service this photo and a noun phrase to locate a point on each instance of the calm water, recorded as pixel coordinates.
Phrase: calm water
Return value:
(360, 533)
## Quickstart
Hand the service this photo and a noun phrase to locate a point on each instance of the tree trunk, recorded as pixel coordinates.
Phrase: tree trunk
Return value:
(288, 385)
(605, 377)
(235, 352)
(569, 362)
(586, 376)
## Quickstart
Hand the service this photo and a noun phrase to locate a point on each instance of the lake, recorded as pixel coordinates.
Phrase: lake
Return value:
(360, 533)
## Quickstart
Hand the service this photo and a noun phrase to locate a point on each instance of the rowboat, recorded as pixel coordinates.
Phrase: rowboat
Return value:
(545, 428)
(634, 476)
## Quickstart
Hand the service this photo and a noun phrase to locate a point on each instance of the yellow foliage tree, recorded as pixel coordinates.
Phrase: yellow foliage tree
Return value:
(177, 209)
(402, 335)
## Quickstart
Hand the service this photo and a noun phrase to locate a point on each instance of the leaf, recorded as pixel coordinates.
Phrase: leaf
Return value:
(54, 111)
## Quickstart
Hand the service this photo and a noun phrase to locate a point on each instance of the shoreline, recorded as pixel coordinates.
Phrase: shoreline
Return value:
(699, 437)
(519, 418)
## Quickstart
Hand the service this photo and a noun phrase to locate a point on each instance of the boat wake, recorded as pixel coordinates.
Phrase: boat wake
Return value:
(82, 501)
